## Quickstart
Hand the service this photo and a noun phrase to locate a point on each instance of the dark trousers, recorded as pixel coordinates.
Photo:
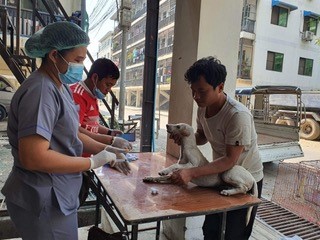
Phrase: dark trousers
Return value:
(236, 228)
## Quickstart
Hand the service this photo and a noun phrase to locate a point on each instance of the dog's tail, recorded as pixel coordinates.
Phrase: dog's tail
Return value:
(255, 194)
(255, 189)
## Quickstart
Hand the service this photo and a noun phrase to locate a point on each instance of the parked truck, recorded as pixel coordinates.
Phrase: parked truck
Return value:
(278, 134)
(310, 120)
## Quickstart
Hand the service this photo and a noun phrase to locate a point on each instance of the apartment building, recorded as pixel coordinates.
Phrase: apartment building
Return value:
(105, 46)
(135, 52)
(277, 44)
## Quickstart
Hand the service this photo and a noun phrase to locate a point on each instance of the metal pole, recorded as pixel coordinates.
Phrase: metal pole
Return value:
(83, 13)
(240, 58)
(123, 74)
(149, 78)
(18, 20)
(33, 60)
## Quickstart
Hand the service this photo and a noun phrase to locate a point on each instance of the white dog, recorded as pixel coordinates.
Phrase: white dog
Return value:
(240, 180)
(190, 156)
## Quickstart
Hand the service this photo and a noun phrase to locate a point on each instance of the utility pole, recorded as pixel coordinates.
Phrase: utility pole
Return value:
(83, 14)
(149, 78)
(124, 24)
(18, 21)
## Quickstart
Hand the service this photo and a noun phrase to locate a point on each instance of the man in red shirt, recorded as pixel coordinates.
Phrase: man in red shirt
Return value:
(103, 75)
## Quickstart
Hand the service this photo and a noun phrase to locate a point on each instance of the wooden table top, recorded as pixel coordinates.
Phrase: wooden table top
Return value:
(135, 202)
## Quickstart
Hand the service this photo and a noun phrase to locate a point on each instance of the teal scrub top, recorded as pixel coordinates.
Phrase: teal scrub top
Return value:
(40, 107)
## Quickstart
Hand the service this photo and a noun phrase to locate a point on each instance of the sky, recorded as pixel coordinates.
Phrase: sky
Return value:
(101, 30)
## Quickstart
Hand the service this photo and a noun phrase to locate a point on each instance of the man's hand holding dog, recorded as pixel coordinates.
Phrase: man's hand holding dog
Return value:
(182, 176)
(176, 138)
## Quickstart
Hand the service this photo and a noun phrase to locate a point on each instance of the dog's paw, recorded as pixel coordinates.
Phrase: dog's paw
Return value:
(164, 172)
(162, 179)
(225, 193)
(148, 179)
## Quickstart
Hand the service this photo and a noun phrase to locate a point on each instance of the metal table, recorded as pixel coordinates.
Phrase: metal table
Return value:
(127, 126)
(137, 118)
(129, 201)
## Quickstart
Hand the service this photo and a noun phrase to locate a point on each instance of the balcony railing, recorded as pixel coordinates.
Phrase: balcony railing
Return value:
(165, 50)
(136, 38)
(166, 21)
(27, 19)
(139, 13)
(248, 25)
(245, 72)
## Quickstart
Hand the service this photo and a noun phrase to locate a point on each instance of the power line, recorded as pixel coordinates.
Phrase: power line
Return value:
(101, 12)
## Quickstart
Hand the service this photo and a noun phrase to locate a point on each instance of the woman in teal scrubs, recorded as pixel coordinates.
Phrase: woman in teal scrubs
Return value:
(42, 189)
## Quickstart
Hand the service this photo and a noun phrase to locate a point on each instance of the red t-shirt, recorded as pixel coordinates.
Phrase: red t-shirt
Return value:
(89, 110)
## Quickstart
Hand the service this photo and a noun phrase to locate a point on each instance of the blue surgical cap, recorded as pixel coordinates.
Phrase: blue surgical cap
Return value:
(58, 35)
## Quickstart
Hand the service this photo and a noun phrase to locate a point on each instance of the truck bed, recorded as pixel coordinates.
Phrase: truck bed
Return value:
(278, 142)
(268, 139)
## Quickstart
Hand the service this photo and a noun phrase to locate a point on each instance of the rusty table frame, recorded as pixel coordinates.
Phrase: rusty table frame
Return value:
(137, 119)
(129, 124)
(114, 201)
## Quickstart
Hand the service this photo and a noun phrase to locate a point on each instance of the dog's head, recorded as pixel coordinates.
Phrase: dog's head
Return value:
(181, 129)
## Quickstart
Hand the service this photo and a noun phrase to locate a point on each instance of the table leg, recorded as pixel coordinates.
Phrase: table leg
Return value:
(223, 225)
(158, 230)
(97, 211)
(158, 127)
(134, 232)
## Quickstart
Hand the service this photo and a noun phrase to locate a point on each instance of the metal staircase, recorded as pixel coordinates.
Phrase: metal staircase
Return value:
(25, 24)
(16, 62)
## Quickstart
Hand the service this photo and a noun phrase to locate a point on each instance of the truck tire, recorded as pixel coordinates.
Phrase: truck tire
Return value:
(309, 129)
(285, 121)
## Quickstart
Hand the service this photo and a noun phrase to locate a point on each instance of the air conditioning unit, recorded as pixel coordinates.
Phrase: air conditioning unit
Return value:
(307, 36)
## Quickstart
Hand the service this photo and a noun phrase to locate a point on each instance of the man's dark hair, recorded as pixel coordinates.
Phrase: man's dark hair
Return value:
(210, 68)
(104, 67)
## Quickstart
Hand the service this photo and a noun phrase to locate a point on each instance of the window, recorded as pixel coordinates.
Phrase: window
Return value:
(305, 66)
(279, 16)
(164, 15)
(170, 40)
(163, 43)
(310, 24)
(274, 61)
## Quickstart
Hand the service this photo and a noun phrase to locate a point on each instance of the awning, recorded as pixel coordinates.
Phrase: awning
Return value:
(311, 14)
(283, 4)
(268, 89)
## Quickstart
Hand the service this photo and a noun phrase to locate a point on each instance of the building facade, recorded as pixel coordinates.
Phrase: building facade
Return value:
(105, 46)
(135, 52)
(277, 44)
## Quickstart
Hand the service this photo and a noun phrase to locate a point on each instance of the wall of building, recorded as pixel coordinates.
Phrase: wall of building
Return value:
(71, 5)
(286, 40)
(105, 46)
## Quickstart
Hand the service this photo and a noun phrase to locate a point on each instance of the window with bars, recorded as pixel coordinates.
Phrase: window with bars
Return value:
(305, 66)
(279, 16)
(275, 61)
